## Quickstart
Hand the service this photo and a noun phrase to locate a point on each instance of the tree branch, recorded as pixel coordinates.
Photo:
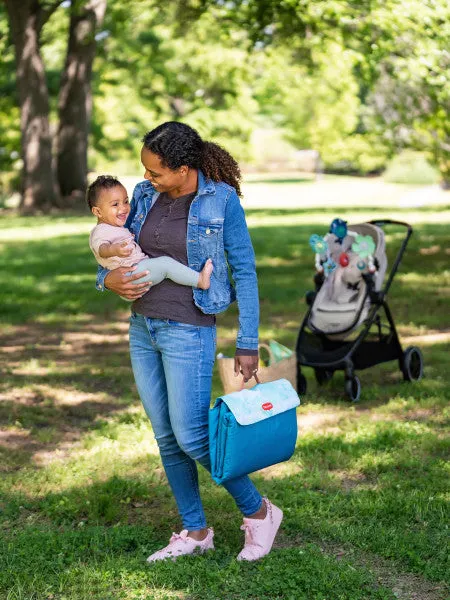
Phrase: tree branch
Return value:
(45, 12)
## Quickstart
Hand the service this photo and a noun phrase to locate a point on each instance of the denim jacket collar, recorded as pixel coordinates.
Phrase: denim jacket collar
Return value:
(205, 186)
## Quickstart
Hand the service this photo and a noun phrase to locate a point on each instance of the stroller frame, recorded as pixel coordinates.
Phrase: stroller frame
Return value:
(315, 349)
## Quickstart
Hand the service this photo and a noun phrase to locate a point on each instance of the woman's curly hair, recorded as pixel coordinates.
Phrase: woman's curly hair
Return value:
(179, 144)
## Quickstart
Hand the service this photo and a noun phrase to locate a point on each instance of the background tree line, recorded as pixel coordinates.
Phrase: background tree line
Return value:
(81, 82)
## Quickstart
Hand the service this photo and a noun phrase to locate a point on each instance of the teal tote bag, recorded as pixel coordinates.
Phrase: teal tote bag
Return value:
(252, 429)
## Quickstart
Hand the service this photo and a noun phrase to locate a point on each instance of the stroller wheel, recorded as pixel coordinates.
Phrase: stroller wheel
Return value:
(353, 388)
(323, 376)
(412, 364)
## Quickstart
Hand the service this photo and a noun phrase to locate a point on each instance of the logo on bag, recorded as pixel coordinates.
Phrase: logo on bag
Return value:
(267, 406)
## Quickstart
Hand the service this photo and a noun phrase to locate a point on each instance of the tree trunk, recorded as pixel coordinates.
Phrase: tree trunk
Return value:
(39, 189)
(75, 99)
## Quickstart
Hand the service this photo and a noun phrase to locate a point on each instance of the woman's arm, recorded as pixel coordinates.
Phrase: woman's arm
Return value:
(241, 258)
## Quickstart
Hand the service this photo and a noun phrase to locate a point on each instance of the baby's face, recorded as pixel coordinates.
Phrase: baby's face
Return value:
(113, 206)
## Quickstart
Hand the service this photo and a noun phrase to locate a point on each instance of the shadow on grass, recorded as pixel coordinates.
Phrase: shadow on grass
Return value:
(58, 384)
(52, 281)
(127, 516)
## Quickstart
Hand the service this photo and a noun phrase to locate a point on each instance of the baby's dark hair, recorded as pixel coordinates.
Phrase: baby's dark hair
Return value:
(103, 182)
(179, 144)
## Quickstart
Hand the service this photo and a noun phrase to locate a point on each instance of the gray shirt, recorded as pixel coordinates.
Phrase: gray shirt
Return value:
(164, 234)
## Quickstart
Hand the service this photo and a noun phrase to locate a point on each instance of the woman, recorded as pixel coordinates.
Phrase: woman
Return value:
(188, 208)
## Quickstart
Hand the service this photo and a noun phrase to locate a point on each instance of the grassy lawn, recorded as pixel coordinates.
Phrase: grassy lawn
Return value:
(83, 498)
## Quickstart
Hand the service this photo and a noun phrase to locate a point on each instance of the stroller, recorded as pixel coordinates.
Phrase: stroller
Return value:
(343, 328)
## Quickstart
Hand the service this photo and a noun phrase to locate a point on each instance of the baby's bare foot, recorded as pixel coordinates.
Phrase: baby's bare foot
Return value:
(204, 278)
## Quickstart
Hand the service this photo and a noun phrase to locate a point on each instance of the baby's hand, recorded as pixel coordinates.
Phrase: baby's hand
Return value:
(122, 249)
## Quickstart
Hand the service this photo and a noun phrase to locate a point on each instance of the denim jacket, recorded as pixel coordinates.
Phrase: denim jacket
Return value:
(217, 230)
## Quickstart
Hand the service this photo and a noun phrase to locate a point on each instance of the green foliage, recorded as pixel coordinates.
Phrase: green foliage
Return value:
(400, 54)
(323, 108)
(319, 107)
(356, 81)
(410, 167)
(270, 151)
(148, 71)
(356, 153)
(213, 95)
(411, 84)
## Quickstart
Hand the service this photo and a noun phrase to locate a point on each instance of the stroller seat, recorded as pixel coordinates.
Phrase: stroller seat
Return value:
(342, 303)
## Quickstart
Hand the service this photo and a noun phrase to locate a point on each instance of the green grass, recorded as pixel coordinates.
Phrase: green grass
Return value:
(83, 498)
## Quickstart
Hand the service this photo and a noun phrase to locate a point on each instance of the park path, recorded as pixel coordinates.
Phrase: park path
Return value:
(271, 192)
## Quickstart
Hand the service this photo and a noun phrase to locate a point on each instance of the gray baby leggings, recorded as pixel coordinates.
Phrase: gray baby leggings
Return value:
(165, 267)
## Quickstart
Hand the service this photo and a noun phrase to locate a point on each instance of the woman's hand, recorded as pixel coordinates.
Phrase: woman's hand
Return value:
(120, 283)
(247, 366)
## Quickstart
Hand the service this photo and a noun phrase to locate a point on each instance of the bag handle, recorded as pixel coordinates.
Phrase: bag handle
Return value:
(271, 359)
(255, 375)
(269, 351)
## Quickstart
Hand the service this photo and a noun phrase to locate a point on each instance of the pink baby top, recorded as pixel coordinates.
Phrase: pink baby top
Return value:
(104, 234)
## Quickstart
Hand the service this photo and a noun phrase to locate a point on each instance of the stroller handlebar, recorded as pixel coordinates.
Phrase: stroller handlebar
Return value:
(401, 251)
(382, 222)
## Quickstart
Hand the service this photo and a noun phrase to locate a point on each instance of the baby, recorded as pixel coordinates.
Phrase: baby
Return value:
(113, 244)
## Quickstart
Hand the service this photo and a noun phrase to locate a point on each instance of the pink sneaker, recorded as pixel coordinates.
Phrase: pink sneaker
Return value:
(260, 533)
(181, 544)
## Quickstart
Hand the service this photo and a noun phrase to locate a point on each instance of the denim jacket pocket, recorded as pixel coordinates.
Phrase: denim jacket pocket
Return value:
(211, 242)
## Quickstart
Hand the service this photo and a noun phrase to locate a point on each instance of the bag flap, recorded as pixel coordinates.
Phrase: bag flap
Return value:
(262, 401)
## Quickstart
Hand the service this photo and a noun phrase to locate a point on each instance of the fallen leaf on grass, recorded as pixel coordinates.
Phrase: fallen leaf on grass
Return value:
(430, 250)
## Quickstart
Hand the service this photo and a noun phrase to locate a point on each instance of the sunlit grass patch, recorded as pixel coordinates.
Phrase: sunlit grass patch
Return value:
(322, 219)
(39, 228)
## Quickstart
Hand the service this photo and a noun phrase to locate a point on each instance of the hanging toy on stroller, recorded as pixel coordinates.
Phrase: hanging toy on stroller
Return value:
(350, 267)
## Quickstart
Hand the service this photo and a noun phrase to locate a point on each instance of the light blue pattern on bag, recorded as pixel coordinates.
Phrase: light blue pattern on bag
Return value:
(251, 406)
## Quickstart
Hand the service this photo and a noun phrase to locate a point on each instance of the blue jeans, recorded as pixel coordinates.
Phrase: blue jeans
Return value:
(172, 365)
